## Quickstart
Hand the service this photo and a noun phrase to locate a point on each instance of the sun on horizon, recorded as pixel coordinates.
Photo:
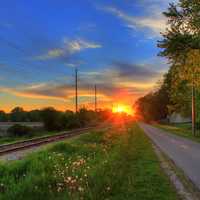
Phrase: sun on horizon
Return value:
(122, 108)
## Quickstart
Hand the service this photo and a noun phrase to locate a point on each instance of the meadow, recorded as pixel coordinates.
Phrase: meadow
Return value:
(118, 163)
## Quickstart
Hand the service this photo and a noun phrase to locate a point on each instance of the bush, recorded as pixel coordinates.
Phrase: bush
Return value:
(52, 119)
(19, 130)
(73, 122)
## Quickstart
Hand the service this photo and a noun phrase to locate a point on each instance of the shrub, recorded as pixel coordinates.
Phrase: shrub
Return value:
(19, 130)
(73, 122)
(52, 119)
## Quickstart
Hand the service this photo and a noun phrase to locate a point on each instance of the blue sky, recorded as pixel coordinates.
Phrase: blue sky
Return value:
(112, 43)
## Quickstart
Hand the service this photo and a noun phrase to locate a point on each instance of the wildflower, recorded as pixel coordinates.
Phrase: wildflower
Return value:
(108, 188)
(69, 178)
(80, 189)
(59, 189)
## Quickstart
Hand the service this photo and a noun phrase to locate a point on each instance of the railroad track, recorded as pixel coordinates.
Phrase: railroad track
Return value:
(26, 144)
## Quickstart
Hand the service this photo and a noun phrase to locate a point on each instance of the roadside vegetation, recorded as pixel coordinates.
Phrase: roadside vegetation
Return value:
(183, 130)
(117, 163)
(180, 44)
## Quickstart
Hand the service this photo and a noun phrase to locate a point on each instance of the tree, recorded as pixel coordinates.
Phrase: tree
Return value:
(3, 116)
(153, 106)
(34, 116)
(181, 45)
(181, 40)
(18, 115)
(52, 119)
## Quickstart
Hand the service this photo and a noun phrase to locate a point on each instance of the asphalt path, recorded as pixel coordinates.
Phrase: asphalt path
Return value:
(184, 153)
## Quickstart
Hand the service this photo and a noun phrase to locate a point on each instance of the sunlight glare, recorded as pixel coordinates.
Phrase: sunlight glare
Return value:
(122, 109)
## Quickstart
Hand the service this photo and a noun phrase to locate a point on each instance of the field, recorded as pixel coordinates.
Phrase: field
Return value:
(184, 130)
(117, 164)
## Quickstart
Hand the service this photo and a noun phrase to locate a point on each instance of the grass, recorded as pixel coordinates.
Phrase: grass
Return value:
(35, 134)
(117, 164)
(183, 130)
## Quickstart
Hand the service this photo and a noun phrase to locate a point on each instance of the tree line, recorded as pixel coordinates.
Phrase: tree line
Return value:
(180, 44)
(55, 120)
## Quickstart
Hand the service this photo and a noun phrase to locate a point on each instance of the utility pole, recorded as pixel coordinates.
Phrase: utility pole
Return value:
(193, 110)
(95, 98)
(76, 90)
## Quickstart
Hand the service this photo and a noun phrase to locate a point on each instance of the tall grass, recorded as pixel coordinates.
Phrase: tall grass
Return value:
(115, 164)
(183, 130)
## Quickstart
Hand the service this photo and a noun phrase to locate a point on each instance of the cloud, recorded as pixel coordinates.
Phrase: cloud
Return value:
(135, 71)
(119, 76)
(62, 92)
(79, 45)
(118, 82)
(153, 22)
(68, 48)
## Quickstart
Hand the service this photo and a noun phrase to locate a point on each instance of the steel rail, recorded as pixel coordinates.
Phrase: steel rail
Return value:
(26, 144)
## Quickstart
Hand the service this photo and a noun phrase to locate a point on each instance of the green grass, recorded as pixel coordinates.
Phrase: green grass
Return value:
(115, 164)
(183, 130)
(36, 134)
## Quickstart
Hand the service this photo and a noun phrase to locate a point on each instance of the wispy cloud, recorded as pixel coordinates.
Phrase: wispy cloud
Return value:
(136, 72)
(128, 80)
(153, 22)
(62, 92)
(68, 48)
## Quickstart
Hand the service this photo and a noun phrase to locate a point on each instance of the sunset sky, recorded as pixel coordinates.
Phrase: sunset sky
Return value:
(112, 43)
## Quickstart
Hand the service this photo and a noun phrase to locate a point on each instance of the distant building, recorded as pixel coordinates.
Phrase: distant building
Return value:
(178, 118)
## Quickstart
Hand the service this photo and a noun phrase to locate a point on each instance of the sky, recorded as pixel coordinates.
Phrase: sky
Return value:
(113, 44)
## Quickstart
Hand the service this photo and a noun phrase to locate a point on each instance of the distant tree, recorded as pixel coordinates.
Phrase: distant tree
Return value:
(52, 119)
(35, 116)
(3, 116)
(154, 106)
(87, 117)
(18, 115)
(103, 115)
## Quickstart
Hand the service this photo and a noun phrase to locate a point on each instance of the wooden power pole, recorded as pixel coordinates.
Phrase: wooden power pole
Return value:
(76, 90)
(95, 98)
(193, 111)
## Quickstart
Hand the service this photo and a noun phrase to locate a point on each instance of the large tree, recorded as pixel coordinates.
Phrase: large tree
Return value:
(181, 45)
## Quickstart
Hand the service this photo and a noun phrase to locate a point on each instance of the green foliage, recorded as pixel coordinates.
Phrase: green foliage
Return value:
(181, 45)
(19, 130)
(70, 120)
(52, 119)
(181, 41)
(3, 116)
(153, 106)
(89, 168)
(55, 120)
(183, 130)
(86, 116)
(18, 115)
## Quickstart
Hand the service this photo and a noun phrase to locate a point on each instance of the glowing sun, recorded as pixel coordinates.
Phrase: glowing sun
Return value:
(122, 109)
